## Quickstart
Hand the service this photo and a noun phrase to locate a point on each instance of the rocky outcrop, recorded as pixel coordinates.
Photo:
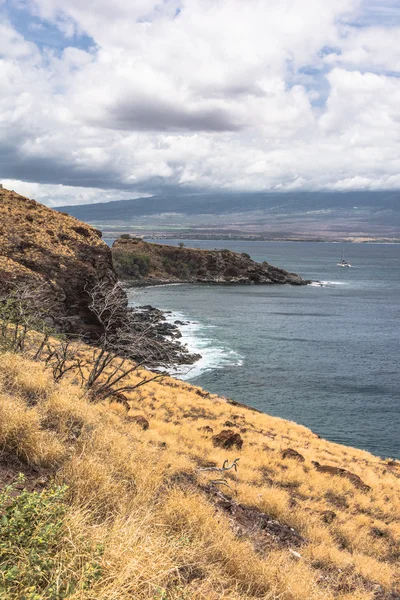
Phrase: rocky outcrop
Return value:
(227, 439)
(139, 420)
(331, 470)
(293, 454)
(51, 250)
(143, 263)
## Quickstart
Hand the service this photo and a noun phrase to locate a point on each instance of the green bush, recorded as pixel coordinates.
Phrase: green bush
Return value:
(132, 265)
(32, 529)
(246, 255)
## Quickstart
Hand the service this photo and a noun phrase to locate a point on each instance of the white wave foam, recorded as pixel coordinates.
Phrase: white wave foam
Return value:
(214, 354)
(327, 283)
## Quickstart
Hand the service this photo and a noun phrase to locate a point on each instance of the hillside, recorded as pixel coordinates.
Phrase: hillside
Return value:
(325, 215)
(56, 252)
(143, 515)
(146, 263)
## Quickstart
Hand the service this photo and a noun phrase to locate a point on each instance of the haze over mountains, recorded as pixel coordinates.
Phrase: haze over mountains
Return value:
(304, 215)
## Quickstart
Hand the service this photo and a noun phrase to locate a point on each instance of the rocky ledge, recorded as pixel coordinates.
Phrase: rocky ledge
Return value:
(142, 263)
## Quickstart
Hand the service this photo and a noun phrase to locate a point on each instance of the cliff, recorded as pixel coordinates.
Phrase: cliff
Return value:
(51, 249)
(146, 263)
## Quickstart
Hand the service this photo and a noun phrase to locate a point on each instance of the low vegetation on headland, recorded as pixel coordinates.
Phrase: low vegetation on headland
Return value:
(155, 489)
(139, 262)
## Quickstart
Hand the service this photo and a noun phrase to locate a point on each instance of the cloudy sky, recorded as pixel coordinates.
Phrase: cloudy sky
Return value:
(103, 100)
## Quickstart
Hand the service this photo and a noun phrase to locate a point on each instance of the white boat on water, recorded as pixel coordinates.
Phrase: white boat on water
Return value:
(343, 263)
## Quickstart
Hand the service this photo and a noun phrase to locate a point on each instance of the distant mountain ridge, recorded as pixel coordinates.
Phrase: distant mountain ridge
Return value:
(359, 212)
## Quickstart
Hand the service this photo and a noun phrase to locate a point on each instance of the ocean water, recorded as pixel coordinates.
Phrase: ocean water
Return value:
(324, 355)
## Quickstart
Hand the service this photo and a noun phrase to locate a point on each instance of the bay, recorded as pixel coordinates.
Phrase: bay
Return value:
(324, 355)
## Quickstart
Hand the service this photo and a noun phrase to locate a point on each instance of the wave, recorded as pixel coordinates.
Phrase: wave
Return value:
(196, 337)
(327, 283)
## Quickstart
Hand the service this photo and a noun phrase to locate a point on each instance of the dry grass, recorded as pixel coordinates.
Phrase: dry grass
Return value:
(139, 494)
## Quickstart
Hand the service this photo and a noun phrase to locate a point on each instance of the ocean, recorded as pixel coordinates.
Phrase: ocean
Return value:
(325, 355)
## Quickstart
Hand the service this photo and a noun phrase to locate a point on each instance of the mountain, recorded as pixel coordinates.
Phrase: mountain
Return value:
(325, 214)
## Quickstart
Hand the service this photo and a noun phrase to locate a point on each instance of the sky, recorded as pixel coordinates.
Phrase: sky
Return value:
(104, 100)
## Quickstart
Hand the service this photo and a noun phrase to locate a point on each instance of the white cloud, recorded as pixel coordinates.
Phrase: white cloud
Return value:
(206, 93)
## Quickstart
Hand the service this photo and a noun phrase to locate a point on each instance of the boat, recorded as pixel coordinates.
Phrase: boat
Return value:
(343, 263)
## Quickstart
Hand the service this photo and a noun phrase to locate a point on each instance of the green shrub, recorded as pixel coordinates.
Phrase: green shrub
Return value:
(246, 255)
(125, 236)
(132, 265)
(32, 531)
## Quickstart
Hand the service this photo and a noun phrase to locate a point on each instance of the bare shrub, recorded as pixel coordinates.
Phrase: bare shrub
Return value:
(124, 347)
(26, 308)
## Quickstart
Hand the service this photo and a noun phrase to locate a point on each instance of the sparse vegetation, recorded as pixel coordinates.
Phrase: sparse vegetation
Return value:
(142, 497)
(121, 348)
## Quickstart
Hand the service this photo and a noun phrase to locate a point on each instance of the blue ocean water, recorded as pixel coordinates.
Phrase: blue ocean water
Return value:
(326, 356)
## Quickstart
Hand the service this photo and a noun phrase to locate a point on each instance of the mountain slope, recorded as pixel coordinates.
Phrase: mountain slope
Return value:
(54, 251)
(145, 516)
(333, 213)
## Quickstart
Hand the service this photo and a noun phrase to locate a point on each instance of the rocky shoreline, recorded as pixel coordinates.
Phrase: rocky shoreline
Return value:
(171, 350)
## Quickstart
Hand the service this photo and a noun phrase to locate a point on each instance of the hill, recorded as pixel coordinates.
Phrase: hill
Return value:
(142, 262)
(162, 490)
(136, 504)
(293, 215)
(57, 254)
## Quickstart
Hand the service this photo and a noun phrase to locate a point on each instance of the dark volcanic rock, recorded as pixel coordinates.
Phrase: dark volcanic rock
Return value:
(151, 321)
(328, 516)
(290, 453)
(143, 263)
(227, 439)
(139, 420)
(331, 470)
(261, 529)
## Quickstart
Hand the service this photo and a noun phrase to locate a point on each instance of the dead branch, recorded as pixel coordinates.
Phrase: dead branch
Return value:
(225, 467)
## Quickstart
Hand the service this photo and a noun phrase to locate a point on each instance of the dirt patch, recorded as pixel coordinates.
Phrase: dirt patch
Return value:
(36, 478)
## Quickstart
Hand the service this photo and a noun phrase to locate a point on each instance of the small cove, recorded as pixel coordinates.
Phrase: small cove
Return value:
(324, 355)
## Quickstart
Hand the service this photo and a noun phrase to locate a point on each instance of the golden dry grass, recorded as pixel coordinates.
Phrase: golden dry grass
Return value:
(138, 494)
(33, 236)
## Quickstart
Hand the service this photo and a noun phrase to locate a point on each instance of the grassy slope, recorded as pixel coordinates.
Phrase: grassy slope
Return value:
(32, 232)
(137, 493)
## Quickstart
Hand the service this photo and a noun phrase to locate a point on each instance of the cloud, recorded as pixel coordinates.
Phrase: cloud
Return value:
(212, 94)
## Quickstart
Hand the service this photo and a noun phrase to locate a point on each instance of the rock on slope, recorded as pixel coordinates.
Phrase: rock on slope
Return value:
(42, 246)
(146, 263)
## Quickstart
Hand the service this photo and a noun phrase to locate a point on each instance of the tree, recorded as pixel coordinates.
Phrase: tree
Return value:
(123, 348)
